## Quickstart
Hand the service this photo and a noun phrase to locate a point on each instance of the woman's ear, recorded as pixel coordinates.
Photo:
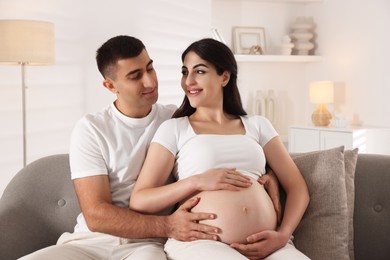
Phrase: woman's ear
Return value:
(225, 78)
(109, 84)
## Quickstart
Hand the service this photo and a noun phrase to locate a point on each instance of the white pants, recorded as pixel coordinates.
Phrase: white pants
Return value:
(88, 246)
(214, 250)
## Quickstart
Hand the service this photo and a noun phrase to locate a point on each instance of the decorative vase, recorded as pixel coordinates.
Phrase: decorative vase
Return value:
(302, 34)
(286, 46)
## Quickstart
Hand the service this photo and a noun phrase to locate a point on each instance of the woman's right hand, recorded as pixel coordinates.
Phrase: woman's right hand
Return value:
(221, 179)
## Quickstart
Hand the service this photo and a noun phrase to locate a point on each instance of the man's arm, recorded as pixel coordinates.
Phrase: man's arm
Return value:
(102, 216)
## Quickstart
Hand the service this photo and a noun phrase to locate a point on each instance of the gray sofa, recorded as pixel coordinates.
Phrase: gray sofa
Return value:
(39, 204)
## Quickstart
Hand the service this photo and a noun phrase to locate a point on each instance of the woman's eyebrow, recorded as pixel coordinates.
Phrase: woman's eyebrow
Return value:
(199, 65)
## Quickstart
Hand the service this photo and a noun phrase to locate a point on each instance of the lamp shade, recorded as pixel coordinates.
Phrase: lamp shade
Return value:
(26, 41)
(321, 92)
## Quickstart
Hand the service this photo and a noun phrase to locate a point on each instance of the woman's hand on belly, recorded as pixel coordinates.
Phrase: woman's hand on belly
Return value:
(221, 179)
(262, 244)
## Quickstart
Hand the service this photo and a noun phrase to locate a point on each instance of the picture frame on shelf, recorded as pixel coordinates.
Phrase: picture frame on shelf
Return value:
(249, 40)
(217, 36)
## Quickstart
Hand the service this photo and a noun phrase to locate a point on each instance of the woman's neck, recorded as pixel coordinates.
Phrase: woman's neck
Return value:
(216, 122)
(211, 115)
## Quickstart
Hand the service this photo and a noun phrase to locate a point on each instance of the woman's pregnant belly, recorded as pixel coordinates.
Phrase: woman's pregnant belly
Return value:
(239, 213)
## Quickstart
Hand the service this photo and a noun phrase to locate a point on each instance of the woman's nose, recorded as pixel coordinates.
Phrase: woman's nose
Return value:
(190, 79)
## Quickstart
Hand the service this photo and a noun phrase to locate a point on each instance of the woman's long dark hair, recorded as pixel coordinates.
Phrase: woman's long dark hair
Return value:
(223, 59)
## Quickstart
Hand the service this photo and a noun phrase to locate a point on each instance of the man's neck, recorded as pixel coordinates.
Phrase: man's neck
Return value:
(133, 112)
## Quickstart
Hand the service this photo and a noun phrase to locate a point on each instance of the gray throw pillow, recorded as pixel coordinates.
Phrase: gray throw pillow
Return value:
(323, 231)
(350, 159)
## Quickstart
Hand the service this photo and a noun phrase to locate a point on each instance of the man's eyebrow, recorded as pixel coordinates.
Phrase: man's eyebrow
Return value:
(138, 70)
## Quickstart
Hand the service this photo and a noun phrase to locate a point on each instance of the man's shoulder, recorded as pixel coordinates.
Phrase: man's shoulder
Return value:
(169, 108)
(165, 111)
(93, 118)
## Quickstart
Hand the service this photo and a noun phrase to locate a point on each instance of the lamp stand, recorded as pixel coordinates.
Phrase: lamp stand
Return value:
(321, 117)
(23, 67)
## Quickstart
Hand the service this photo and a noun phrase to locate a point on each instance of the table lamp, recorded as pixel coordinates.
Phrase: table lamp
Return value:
(26, 42)
(321, 93)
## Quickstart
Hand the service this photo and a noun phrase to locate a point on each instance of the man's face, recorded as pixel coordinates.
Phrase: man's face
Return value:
(135, 85)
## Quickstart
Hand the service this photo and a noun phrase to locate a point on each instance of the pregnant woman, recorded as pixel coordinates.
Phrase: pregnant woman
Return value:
(211, 130)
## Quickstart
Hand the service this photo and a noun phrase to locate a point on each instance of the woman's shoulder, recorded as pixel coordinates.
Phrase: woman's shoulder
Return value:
(255, 119)
(171, 133)
(258, 124)
(175, 123)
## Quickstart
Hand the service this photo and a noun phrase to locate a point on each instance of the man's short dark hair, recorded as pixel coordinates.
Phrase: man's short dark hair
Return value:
(117, 48)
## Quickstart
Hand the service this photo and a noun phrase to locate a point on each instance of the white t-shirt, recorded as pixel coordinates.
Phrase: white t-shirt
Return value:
(195, 153)
(110, 143)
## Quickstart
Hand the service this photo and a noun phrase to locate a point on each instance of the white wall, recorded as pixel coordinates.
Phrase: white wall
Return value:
(59, 95)
(353, 38)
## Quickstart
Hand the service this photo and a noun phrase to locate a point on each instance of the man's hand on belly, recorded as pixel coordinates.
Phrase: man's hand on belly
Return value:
(271, 185)
(185, 226)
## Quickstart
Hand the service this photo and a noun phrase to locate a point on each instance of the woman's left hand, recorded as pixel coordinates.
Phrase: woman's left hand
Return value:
(221, 179)
(262, 244)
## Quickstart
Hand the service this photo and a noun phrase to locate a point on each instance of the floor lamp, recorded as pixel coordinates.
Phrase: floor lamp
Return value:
(26, 42)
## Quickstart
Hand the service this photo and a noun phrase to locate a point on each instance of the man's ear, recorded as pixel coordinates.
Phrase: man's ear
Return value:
(109, 84)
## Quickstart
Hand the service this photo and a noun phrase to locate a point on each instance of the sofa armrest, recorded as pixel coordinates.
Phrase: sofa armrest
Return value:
(37, 206)
(372, 207)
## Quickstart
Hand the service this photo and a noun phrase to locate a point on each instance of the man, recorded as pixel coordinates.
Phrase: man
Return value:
(106, 155)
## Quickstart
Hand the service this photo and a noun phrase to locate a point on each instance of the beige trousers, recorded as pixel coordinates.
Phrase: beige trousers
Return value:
(88, 246)
(214, 250)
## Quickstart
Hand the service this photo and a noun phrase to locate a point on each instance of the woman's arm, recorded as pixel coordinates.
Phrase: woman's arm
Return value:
(264, 243)
(292, 182)
(152, 195)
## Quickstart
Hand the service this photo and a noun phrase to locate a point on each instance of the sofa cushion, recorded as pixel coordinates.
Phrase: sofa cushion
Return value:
(350, 159)
(323, 231)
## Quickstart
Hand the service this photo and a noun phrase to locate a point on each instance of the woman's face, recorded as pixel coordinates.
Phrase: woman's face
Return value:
(201, 83)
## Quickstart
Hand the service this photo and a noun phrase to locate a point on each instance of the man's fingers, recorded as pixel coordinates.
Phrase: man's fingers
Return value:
(195, 235)
(202, 231)
(189, 204)
(278, 209)
(277, 205)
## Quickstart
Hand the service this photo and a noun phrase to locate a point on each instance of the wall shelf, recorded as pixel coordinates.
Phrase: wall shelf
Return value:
(291, 1)
(277, 58)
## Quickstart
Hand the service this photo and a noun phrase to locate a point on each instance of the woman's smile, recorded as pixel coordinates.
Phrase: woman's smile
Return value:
(194, 92)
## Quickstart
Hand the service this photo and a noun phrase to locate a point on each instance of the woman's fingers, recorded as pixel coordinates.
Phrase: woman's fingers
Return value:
(237, 179)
